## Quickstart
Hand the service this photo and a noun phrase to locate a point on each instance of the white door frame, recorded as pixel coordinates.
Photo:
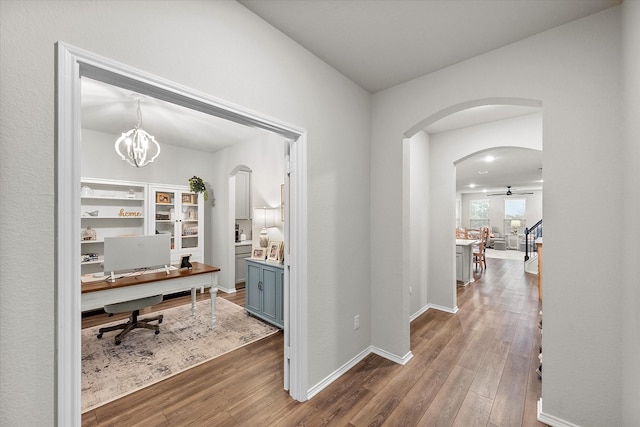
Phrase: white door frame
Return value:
(71, 64)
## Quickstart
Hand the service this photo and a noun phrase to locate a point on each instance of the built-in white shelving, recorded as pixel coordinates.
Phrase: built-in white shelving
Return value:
(109, 208)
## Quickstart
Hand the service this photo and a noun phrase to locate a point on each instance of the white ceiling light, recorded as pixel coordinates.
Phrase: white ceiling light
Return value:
(136, 146)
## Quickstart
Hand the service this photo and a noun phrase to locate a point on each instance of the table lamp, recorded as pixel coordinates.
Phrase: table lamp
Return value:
(264, 217)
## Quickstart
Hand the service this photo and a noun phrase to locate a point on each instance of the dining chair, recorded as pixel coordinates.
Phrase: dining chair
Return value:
(479, 256)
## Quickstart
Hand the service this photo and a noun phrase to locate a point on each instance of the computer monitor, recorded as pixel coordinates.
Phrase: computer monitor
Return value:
(123, 254)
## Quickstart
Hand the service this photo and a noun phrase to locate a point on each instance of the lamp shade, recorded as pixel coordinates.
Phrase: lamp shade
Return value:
(515, 223)
(265, 217)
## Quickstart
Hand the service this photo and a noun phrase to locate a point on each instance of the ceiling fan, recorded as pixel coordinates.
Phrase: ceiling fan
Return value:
(508, 193)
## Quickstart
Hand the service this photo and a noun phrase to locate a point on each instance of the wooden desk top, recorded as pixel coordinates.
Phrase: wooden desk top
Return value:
(198, 268)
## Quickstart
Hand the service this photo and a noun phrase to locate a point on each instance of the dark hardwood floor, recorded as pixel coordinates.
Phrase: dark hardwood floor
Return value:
(473, 368)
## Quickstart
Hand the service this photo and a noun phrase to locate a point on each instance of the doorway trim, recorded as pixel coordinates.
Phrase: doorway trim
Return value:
(71, 64)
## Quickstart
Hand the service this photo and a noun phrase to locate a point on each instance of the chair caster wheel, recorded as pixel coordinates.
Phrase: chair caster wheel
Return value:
(99, 336)
(118, 342)
(157, 332)
(159, 321)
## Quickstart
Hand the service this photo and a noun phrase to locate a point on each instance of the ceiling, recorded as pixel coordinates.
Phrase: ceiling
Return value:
(520, 168)
(169, 123)
(377, 44)
(382, 43)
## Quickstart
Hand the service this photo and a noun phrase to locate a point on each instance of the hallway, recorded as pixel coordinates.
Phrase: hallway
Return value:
(473, 368)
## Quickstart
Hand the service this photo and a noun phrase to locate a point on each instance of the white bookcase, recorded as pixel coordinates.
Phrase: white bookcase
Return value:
(179, 212)
(109, 208)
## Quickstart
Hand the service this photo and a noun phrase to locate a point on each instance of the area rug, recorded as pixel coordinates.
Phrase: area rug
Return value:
(110, 372)
(506, 254)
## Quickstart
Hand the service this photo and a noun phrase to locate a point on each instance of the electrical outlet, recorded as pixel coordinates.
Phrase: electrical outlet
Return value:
(356, 322)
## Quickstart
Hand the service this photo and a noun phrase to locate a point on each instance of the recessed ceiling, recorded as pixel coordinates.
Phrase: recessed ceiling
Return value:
(382, 43)
(110, 109)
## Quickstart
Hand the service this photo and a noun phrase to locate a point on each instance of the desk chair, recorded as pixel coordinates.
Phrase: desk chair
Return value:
(133, 306)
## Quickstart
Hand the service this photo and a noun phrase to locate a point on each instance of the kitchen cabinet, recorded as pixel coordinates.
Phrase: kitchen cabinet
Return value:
(243, 195)
(264, 293)
(179, 212)
(464, 260)
(243, 251)
(108, 208)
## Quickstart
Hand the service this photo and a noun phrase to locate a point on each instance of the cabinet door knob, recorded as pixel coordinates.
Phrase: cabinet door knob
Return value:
(260, 285)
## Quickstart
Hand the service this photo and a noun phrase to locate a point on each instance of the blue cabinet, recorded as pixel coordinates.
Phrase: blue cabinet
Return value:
(264, 291)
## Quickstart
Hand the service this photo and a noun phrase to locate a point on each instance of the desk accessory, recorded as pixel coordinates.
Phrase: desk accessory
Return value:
(185, 262)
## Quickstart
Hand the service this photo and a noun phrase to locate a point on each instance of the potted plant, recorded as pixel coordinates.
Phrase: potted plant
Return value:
(197, 186)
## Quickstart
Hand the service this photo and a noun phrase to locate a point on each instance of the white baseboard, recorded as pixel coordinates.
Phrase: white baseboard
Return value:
(453, 310)
(353, 362)
(418, 313)
(552, 420)
(337, 373)
(227, 290)
(399, 360)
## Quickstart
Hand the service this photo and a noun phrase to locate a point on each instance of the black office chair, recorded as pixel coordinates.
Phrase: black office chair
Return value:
(133, 306)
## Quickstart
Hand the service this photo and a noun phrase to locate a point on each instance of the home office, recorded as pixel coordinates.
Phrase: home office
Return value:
(144, 225)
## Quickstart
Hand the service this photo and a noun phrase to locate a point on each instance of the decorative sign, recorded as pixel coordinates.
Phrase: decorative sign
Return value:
(129, 213)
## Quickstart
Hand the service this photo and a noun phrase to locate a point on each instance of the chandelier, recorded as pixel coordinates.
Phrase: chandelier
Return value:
(136, 146)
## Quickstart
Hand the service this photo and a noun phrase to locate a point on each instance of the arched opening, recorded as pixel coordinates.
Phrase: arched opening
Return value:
(239, 221)
(433, 148)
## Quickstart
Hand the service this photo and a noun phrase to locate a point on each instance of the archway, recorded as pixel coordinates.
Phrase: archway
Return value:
(429, 219)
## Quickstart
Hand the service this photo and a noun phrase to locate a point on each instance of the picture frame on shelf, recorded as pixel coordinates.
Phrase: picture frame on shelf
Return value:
(189, 198)
(164, 198)
(258, 252)
(275, 251)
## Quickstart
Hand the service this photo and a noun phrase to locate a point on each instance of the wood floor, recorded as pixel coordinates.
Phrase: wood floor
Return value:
(474, 368)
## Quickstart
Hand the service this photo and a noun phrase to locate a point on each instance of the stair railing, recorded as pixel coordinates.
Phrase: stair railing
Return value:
(537, 228)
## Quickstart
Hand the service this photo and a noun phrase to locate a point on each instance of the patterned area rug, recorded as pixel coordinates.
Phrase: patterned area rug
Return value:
(110, 372)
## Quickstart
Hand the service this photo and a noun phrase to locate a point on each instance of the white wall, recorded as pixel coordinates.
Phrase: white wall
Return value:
(631, 225)
(574, 70)
(175, 165)
(218, 48)
(265, 157)
(521, 131)
(417, 153)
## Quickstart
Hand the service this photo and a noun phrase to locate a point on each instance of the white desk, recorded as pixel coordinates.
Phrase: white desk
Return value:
(96, 295)
(464, 260)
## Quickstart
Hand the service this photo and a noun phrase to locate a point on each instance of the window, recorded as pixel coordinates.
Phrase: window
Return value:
(479, 214)
(515, 219)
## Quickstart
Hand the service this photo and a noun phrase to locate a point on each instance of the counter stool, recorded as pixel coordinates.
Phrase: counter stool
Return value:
(133, 306)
